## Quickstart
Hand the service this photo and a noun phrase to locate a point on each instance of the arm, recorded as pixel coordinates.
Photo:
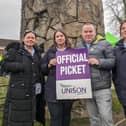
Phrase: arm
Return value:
(109, 59)
(44, 64)
(114, 69)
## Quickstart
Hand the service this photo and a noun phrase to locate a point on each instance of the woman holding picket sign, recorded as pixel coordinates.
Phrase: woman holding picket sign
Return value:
(60, 110)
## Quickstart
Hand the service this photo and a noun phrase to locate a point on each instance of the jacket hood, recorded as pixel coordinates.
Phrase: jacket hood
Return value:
(13, 45)
(19, 45)
(98, 38)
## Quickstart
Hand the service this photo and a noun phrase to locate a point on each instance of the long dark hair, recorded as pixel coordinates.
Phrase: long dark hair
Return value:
(67, 43)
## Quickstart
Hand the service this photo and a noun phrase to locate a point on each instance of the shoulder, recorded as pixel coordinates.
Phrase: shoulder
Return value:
(119, 43)
(119, 46)
(52, 50)
(104, 44)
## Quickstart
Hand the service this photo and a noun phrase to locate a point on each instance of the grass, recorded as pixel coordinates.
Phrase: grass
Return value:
(116, 108)
(116, 105)
(74, 122)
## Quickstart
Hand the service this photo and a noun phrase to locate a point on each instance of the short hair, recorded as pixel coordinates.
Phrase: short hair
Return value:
(90, 23)
(29, 31)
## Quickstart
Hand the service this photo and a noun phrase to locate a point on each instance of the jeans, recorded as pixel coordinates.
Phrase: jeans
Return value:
(100, 108)
(60, 113)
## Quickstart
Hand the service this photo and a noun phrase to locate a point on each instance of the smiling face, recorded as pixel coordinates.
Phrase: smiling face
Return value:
(88, 33)
(29, 40)
(123, 30)
(60, 39)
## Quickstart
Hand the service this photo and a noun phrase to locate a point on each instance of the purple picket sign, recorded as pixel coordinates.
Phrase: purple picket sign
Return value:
(72, 64)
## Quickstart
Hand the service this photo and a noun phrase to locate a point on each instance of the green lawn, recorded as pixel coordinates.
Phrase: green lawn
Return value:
(74, 122)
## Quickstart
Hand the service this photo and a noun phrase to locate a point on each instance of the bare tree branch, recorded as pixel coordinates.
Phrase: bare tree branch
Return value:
(117, 8)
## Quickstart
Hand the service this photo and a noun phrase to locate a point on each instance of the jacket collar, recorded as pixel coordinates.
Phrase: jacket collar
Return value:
(120, 43)
(97, 39)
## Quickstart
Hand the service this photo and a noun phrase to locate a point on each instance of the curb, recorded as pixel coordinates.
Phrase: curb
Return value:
(121, 121)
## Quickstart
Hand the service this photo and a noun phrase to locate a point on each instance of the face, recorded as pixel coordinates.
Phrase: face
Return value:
(88, 33)
(29, 39)
(60, 39)
(123, 31)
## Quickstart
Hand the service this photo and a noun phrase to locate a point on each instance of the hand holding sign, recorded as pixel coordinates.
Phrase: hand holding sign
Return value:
(93, 61)
(52, 62)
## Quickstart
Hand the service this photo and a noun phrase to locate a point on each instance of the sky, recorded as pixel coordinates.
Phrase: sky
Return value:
(10, 18)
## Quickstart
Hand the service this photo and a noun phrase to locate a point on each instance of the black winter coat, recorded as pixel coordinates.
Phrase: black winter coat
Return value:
(119, 72)
(20, 105)
(50, 86)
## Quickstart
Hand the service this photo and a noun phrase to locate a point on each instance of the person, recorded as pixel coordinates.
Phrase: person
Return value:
(101, 60)
(119, 75)
(22, 62)
(60, 110)
(1, 72)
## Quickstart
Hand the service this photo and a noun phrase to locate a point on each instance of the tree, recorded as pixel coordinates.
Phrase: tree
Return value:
(115, 11)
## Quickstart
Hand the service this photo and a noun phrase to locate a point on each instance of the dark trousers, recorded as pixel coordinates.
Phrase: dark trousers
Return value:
(60, 113)
(40, 108)
(124, 108)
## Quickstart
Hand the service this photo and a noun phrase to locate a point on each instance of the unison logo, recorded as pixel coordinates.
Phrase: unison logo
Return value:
(73, 90)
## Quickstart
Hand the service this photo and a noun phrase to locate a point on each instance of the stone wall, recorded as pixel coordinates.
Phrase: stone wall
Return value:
(45, 16)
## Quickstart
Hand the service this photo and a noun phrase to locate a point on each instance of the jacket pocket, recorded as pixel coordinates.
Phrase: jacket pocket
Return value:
(20, 93)
(95, 74)
(105, 75)
(22, 105)
(21, 116)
